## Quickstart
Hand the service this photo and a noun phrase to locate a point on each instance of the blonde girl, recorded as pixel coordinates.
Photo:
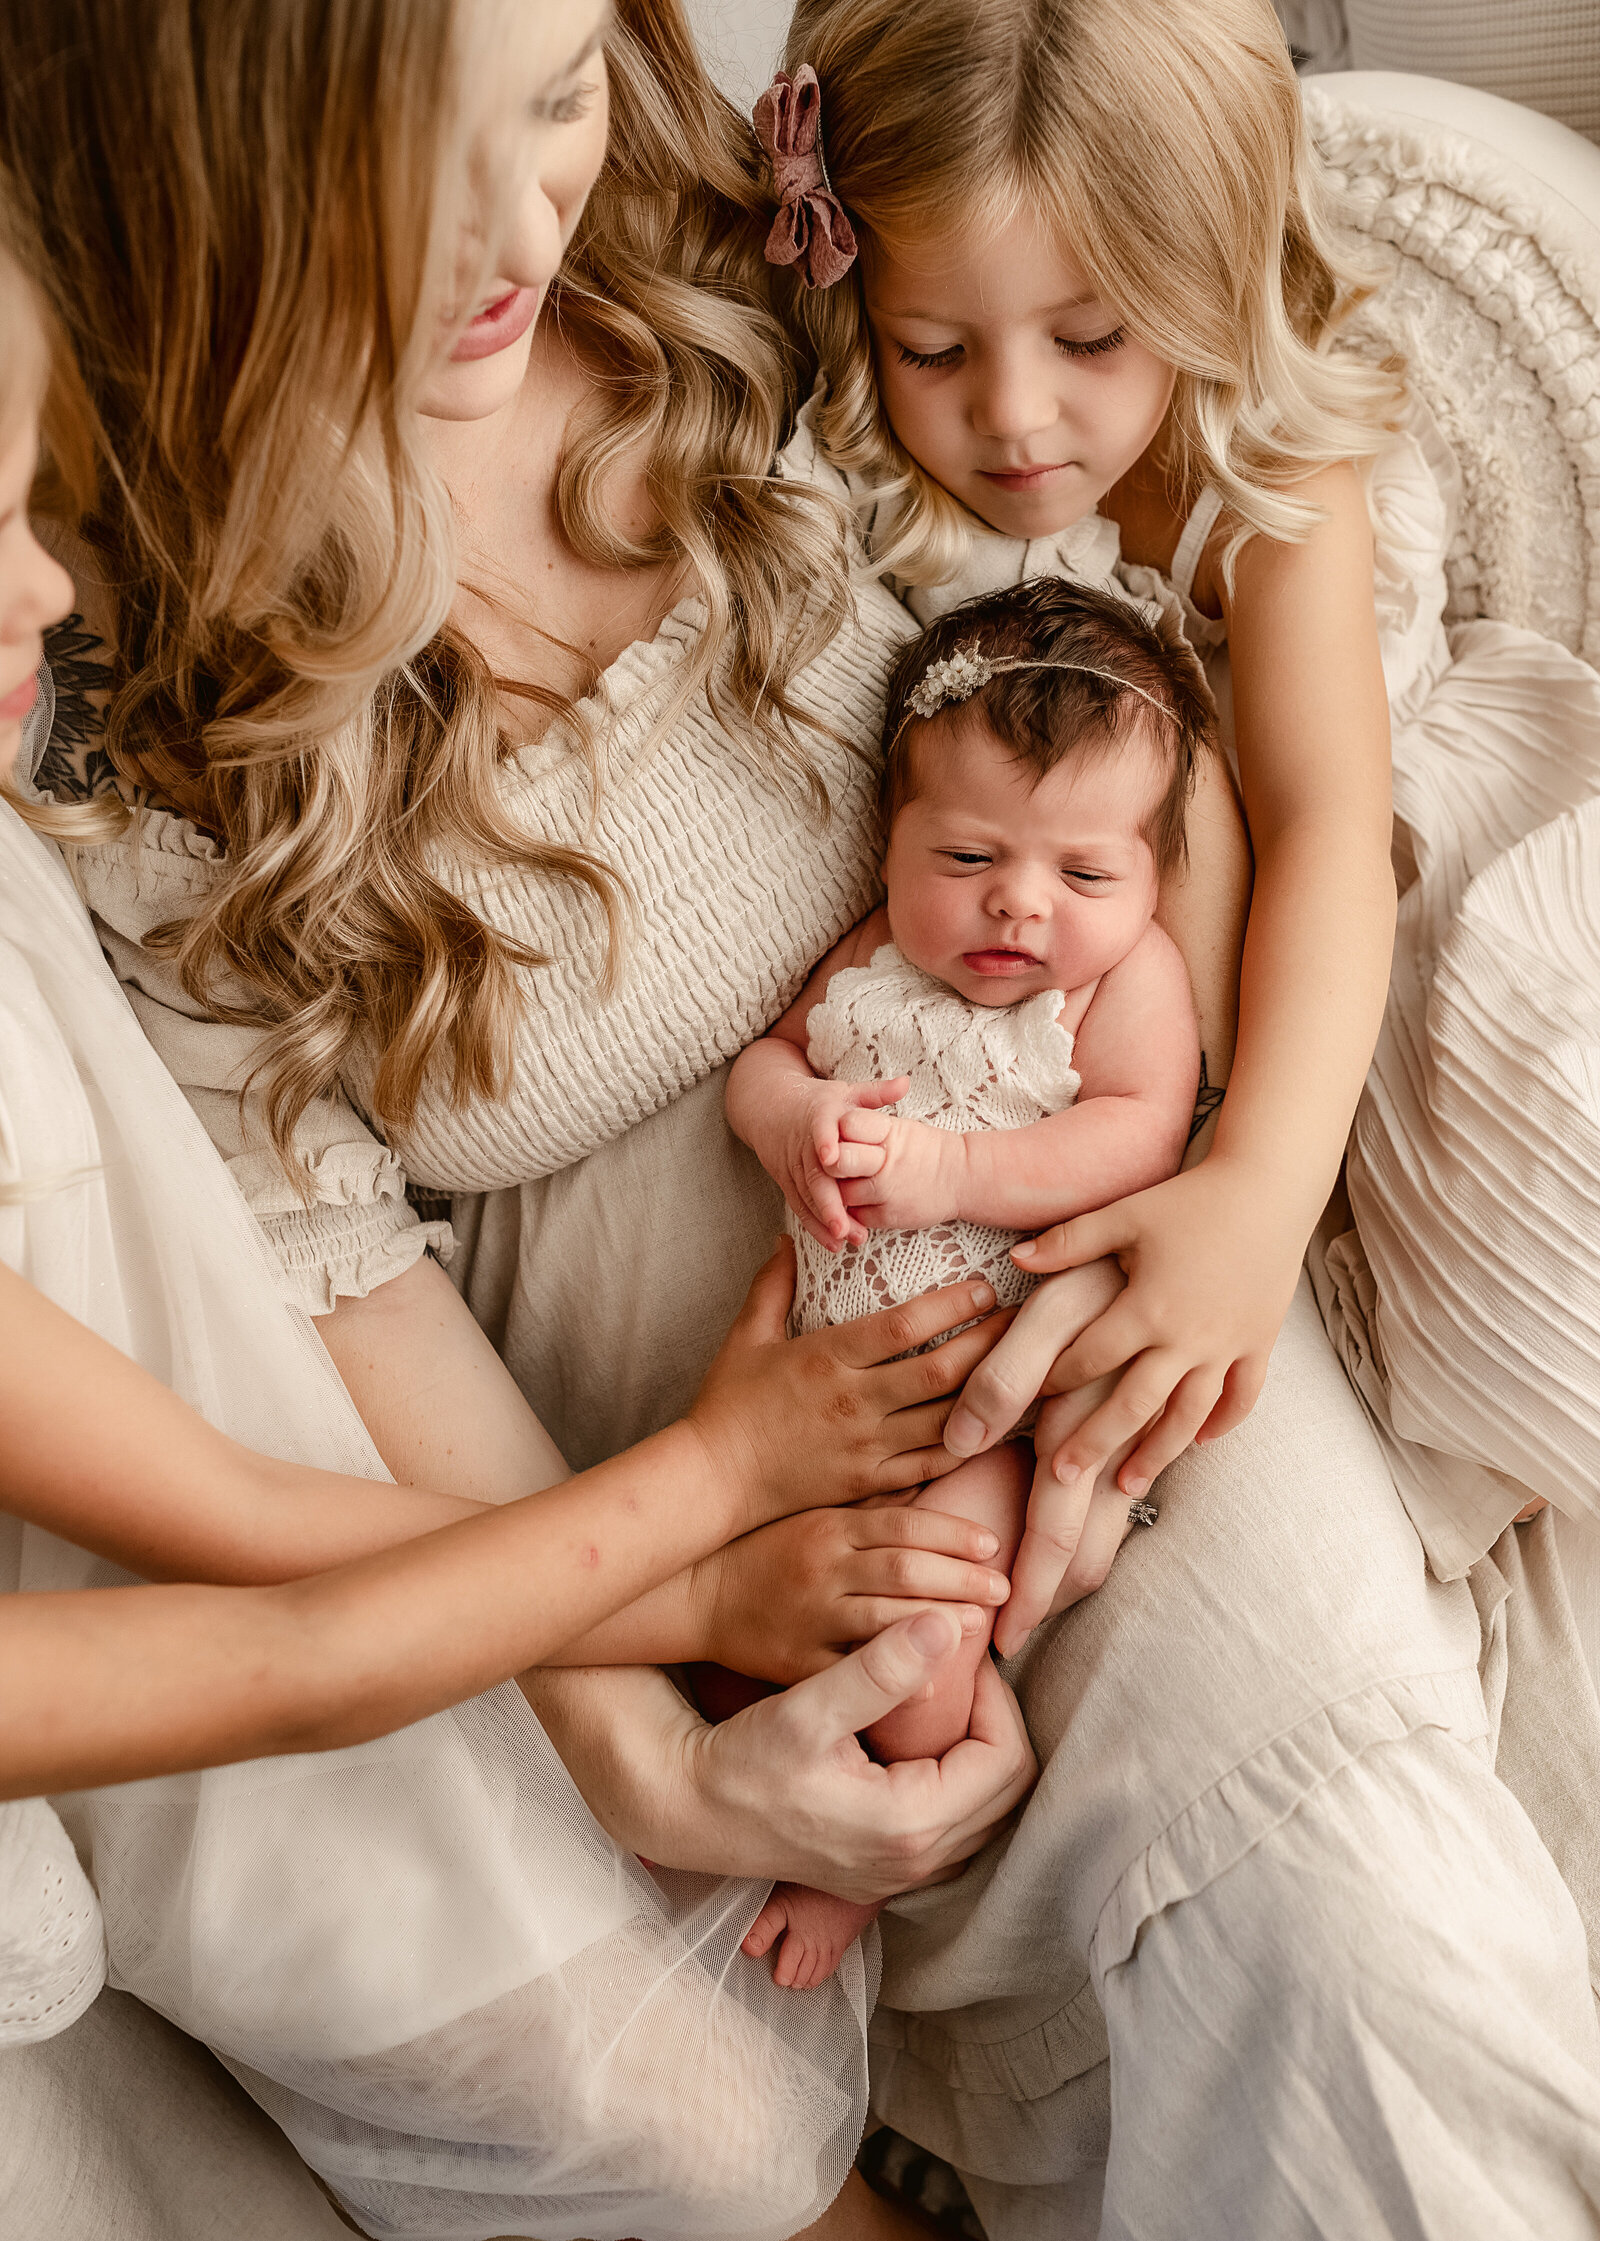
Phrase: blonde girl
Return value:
(1098, 270)
(460, 1998)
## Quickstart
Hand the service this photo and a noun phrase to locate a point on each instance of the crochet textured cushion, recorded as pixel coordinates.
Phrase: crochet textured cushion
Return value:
(1495, 305)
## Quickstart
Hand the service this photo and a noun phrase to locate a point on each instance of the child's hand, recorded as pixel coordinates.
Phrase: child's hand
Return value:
(816, 1422)
(806, 1152)
(1211, 1260)
(792, 1599)
(901, 1174)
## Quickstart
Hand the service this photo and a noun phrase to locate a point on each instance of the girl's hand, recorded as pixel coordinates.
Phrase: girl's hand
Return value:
(791, 1599)
(802, 1147)
(1211, 1261)
(902, 1174)
(828, 1419)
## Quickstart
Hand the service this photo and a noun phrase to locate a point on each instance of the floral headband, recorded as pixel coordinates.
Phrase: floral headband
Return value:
(811, 229)
(947, 683)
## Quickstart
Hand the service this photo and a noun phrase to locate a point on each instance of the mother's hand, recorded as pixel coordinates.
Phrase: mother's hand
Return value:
(785, 1790)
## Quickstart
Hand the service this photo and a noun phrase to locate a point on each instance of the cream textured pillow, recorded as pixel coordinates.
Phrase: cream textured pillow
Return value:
(1495, 305)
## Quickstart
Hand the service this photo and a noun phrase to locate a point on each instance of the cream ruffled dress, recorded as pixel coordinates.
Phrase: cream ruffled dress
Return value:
(468, 2008)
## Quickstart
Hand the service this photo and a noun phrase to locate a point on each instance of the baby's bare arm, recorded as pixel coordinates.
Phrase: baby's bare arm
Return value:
(1137, 1053)
(789, 1117)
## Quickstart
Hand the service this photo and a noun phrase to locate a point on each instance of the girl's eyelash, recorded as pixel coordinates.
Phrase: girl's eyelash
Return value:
(928, 357)
(1097, 347)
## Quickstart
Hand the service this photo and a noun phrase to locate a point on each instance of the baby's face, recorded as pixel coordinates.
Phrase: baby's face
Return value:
(1007, 378)
(1001, 884)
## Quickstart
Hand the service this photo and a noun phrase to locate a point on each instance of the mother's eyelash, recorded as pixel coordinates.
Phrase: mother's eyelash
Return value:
(1095, 349)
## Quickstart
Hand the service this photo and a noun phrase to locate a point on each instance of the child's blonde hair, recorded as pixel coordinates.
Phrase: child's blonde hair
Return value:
(1163, 142)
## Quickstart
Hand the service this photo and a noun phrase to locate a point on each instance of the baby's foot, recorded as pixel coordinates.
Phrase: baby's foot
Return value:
(817, 1929)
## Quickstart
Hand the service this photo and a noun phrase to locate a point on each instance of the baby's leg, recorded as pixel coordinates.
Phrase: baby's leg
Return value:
(991, 1489)
(815, 1927)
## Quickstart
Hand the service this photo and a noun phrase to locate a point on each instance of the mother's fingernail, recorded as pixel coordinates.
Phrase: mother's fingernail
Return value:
(964, 1435)
(983, 1297)
(988, 1544)
(1026, 1250)
(929, 1634)
(1067, 1474)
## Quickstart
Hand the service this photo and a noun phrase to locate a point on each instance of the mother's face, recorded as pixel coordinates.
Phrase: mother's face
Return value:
(552, 146)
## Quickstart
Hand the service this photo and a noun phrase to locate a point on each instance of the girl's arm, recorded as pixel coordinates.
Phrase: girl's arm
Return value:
(1137, 1055)
(98, 1451)
(186, 1677)
(1212, 1257)
(1204, 908)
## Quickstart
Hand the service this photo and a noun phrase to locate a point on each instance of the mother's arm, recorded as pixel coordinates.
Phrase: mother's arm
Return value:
(783, 1790)
(442, 1408)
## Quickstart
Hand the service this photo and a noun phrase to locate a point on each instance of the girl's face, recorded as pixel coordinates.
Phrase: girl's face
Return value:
(1002, 883)
(34, 591)
(556, 147)
(1006, 377)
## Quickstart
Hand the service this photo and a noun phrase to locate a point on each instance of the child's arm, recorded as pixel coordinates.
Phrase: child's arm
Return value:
(789, 1118)
(120, 1683)
(789, 1600)
(1137, 1054)
(1213, 1255)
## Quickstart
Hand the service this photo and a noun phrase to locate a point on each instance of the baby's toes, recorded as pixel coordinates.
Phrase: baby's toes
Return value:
(766, 1926)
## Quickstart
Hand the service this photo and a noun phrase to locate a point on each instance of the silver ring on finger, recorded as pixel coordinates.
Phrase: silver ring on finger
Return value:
(1143, 1512)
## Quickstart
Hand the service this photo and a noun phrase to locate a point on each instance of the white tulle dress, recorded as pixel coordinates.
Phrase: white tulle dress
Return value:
(971, 1067)
(472, 2013)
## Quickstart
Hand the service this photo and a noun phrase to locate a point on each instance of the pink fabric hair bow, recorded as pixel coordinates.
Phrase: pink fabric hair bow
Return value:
(811, 229)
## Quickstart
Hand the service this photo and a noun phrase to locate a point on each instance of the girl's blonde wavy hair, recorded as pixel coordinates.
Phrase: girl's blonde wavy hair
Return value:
(248, 214)
(1163, 143)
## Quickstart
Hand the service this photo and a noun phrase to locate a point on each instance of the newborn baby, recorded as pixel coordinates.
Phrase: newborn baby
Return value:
(1008, 1042)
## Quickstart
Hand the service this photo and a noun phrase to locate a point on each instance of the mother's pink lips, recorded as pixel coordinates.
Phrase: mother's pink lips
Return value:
(498, 326)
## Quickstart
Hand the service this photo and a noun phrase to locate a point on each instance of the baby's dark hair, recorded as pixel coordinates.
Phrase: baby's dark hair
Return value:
(1101, 663)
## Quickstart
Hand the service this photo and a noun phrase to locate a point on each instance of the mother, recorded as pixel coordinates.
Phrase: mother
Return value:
(1257, 1923)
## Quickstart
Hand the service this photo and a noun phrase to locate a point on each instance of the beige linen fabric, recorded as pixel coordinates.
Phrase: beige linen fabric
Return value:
(1271, 1935)
(122, 2129)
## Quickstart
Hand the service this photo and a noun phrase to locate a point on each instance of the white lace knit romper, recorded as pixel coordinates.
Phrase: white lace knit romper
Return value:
(972, 1066)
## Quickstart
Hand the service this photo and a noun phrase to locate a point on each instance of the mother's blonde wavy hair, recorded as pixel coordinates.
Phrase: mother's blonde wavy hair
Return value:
(1163, 143)
(248, 215)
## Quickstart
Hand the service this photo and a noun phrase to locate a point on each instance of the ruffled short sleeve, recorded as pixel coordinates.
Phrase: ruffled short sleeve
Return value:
(350, 1229)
